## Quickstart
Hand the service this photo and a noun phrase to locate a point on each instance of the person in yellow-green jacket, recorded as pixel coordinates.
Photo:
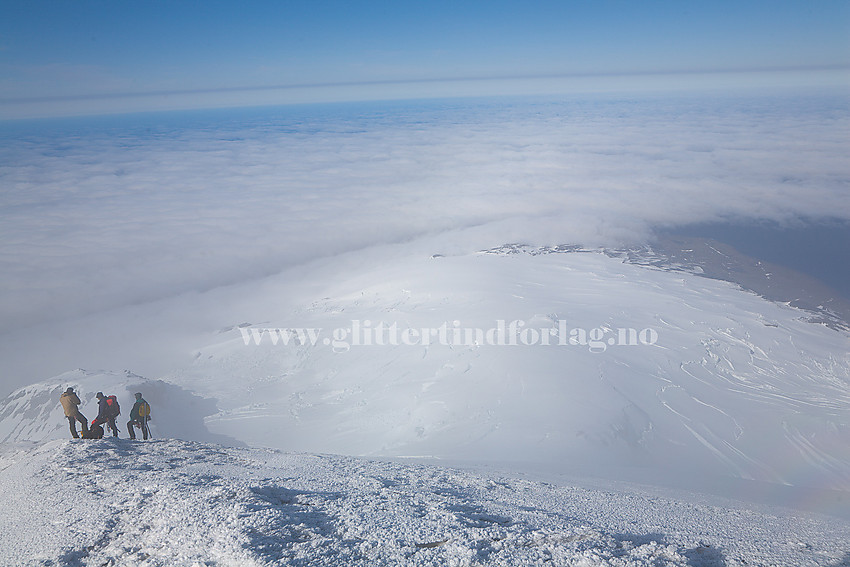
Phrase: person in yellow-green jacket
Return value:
(139, 416)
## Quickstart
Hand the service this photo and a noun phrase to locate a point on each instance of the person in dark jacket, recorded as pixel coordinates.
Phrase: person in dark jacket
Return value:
(70, 403)
(104, 414)
(139, 416)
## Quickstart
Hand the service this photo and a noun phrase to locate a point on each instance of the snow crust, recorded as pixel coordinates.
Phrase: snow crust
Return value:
(171, 502)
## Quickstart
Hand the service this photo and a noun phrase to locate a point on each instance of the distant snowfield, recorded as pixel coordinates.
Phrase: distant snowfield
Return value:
(169, 502)
(734, 385)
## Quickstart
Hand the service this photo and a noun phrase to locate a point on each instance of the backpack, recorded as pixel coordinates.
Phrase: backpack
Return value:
(112, 407)
(94, 432)
(144, 409)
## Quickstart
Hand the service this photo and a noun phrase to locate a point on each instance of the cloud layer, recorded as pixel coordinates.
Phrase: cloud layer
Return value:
(105, 213)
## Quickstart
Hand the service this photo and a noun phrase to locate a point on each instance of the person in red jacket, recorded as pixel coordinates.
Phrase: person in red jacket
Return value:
(107, 411)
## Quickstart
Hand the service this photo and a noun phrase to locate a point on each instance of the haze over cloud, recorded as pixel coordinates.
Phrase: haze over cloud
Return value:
(129, 212)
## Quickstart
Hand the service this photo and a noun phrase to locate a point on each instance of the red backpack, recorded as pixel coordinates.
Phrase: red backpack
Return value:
(112, 407)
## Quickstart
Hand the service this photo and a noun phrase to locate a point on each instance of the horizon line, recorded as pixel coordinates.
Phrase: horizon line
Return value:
(426, 80)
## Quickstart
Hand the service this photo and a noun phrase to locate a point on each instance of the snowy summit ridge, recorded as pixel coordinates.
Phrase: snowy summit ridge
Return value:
(170, 502)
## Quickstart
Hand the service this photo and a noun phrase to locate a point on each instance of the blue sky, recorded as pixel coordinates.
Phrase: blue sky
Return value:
(78, 57)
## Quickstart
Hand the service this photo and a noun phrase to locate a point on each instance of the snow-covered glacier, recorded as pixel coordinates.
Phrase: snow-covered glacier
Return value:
(729, 383)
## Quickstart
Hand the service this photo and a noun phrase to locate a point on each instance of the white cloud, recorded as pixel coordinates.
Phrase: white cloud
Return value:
(94, 217)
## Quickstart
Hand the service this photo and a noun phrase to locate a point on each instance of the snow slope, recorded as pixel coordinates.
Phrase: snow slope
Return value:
(173, 503)
(735, 385)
